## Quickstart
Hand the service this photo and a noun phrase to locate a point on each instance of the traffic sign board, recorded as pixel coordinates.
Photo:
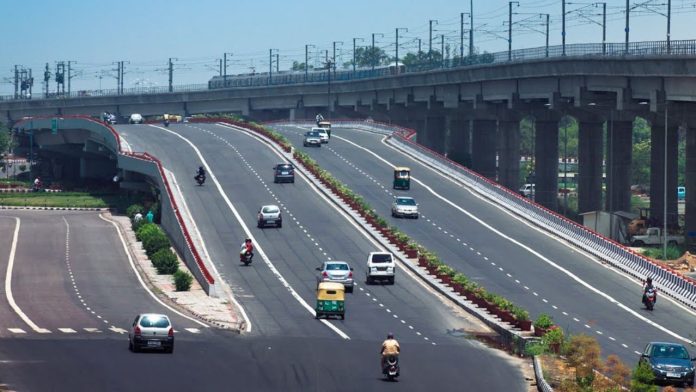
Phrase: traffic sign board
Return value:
(54, 126)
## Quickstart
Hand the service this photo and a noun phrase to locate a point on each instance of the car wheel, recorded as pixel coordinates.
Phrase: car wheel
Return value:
(343, 317)
(136, 348)
(130, 345)
(169, 350)
(292, 181)
(638, 243)
(672, 243)
(280, 224)
(259, 224)
(416, 217)
(275, 180)
(349, 289)
(368, 280)
(391, 280)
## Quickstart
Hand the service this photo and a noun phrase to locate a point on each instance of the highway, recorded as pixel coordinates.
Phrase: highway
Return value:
(279, 291)
(506, 255)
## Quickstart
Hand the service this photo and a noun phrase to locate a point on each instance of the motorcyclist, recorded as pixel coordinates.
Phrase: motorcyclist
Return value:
(246, 248)
(390, 347)
(200, 174)
(647, 286)
(319, 118)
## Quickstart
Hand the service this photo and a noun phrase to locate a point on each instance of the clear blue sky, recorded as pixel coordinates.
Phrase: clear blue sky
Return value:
(95, 33)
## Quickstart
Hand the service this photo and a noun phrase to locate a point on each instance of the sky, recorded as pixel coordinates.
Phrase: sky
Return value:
(146, 33)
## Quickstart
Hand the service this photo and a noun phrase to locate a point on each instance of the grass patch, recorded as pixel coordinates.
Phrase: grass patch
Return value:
(64, 199)
(673, 253)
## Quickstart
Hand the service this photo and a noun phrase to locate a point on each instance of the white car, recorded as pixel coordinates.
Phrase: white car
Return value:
(527, 190)
(135, 118)
(404, 207)
(322, 134)
(151, 331)
(269, 215)
(380, 266)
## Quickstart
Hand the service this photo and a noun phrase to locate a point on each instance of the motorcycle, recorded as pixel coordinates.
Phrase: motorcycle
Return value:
(246, 257)
(200, 179)
(166, 123)
(649, 299)
(391, 367)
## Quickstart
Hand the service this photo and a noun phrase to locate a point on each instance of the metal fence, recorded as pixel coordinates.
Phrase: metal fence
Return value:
(670, 282)
(634, 49)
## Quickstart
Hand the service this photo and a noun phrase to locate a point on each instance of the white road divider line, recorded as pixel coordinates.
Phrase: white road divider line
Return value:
(119, 331)
(16, 330)
(140, 279)
(249, 234)
(8, 282)
(193, 330)
(92, 330)
(67, 330)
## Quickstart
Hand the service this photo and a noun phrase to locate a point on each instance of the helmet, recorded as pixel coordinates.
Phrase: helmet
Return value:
(390, 335)
(649, 280)
(247, 240)
(200, 168)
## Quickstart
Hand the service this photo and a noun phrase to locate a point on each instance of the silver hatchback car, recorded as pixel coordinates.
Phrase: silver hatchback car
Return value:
(151, 331)
(338, 272)
(269, 215)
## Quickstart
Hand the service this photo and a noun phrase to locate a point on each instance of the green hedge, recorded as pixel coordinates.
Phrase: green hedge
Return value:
(182, 280)
(146, 230)
(155, 241)
(165, 261)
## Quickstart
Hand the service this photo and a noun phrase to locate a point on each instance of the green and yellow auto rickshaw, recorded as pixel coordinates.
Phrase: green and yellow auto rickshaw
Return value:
(402, 177)
(330, 300)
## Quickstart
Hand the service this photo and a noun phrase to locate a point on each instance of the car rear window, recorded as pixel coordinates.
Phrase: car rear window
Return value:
(284, 167)
(337, 267)
(270, 210)
(154, 322)
(405, 202)
(381, 258)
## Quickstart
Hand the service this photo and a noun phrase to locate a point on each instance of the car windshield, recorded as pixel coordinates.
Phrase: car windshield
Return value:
(270, 209)
(664, 351)
(337, 267)
(312, 134)
(385, 258)
(405, 202)
(154, 322)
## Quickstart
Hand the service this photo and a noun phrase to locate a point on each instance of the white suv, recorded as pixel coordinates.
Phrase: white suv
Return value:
(135, 118)
(322, 134)
(380, 266)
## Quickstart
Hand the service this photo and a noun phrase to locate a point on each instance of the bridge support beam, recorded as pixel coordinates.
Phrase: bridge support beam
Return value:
(435, 132)
(590, 156)
(690, 184)
(483, 151)
(509, 152)
(657, 172)
(546, 155)
(459, 141)
(619, 155)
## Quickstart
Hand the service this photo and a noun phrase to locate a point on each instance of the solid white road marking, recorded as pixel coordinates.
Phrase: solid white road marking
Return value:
(193, 330)
(92, 330)
(67, 330)
(8, 283)
(16, 330)
(140, 279)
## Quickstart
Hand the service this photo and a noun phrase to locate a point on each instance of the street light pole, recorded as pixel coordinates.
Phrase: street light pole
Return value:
(397, 47)
(669, 24)
(334, 56)
(430, 41)
(306, 61)
(372, 55)
(627, 28)
(547, 35)
(355, 39)
(442, 51)
(510, 28)
(563, 26)
(471, 27)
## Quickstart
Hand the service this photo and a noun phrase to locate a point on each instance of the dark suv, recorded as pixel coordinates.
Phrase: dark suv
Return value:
(283, 172)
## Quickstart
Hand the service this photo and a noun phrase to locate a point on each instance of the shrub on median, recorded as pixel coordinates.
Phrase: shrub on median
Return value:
(182, 280)
(155, 241)
(165, 261)
(145, 230)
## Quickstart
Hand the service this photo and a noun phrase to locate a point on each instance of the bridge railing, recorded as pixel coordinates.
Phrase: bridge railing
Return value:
(612, 49)
(669, 281)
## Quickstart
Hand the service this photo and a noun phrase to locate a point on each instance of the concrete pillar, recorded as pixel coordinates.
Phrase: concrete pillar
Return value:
(590, 153)
(619, 151)
(483, 149)
(690, 184)
(509, 161)
(435, 133)
(657, 173)
(546, 165)
(459, 141)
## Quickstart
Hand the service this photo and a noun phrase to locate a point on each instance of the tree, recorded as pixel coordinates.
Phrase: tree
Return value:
(5, 139)
(641, 163)
(643, 378)
(297, 66)
(368, 56)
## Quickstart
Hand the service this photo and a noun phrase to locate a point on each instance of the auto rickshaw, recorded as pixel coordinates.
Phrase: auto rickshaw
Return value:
(326, 125)
(402, 178)
(330, 300)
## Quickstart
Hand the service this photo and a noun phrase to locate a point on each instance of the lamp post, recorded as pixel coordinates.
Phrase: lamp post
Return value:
(333, 58)
(306, 61)
(270, 65)
(397, 46)
(628, 19)
(510, 28)
(329, 64)
(372, 59)
(355, 39)
(430, 41)
(224, 68)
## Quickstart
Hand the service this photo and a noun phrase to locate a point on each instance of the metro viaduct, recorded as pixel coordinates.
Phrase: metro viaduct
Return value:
(473, 114)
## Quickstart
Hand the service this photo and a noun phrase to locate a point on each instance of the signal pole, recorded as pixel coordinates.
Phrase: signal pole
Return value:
(47, 78)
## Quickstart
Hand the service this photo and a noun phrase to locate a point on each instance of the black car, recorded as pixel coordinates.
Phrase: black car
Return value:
(670, 362)
(283, 172)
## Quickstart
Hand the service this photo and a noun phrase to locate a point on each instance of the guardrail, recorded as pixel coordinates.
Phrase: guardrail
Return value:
(202, 273)
(669, 281)
(542, 385)
(613, 50)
